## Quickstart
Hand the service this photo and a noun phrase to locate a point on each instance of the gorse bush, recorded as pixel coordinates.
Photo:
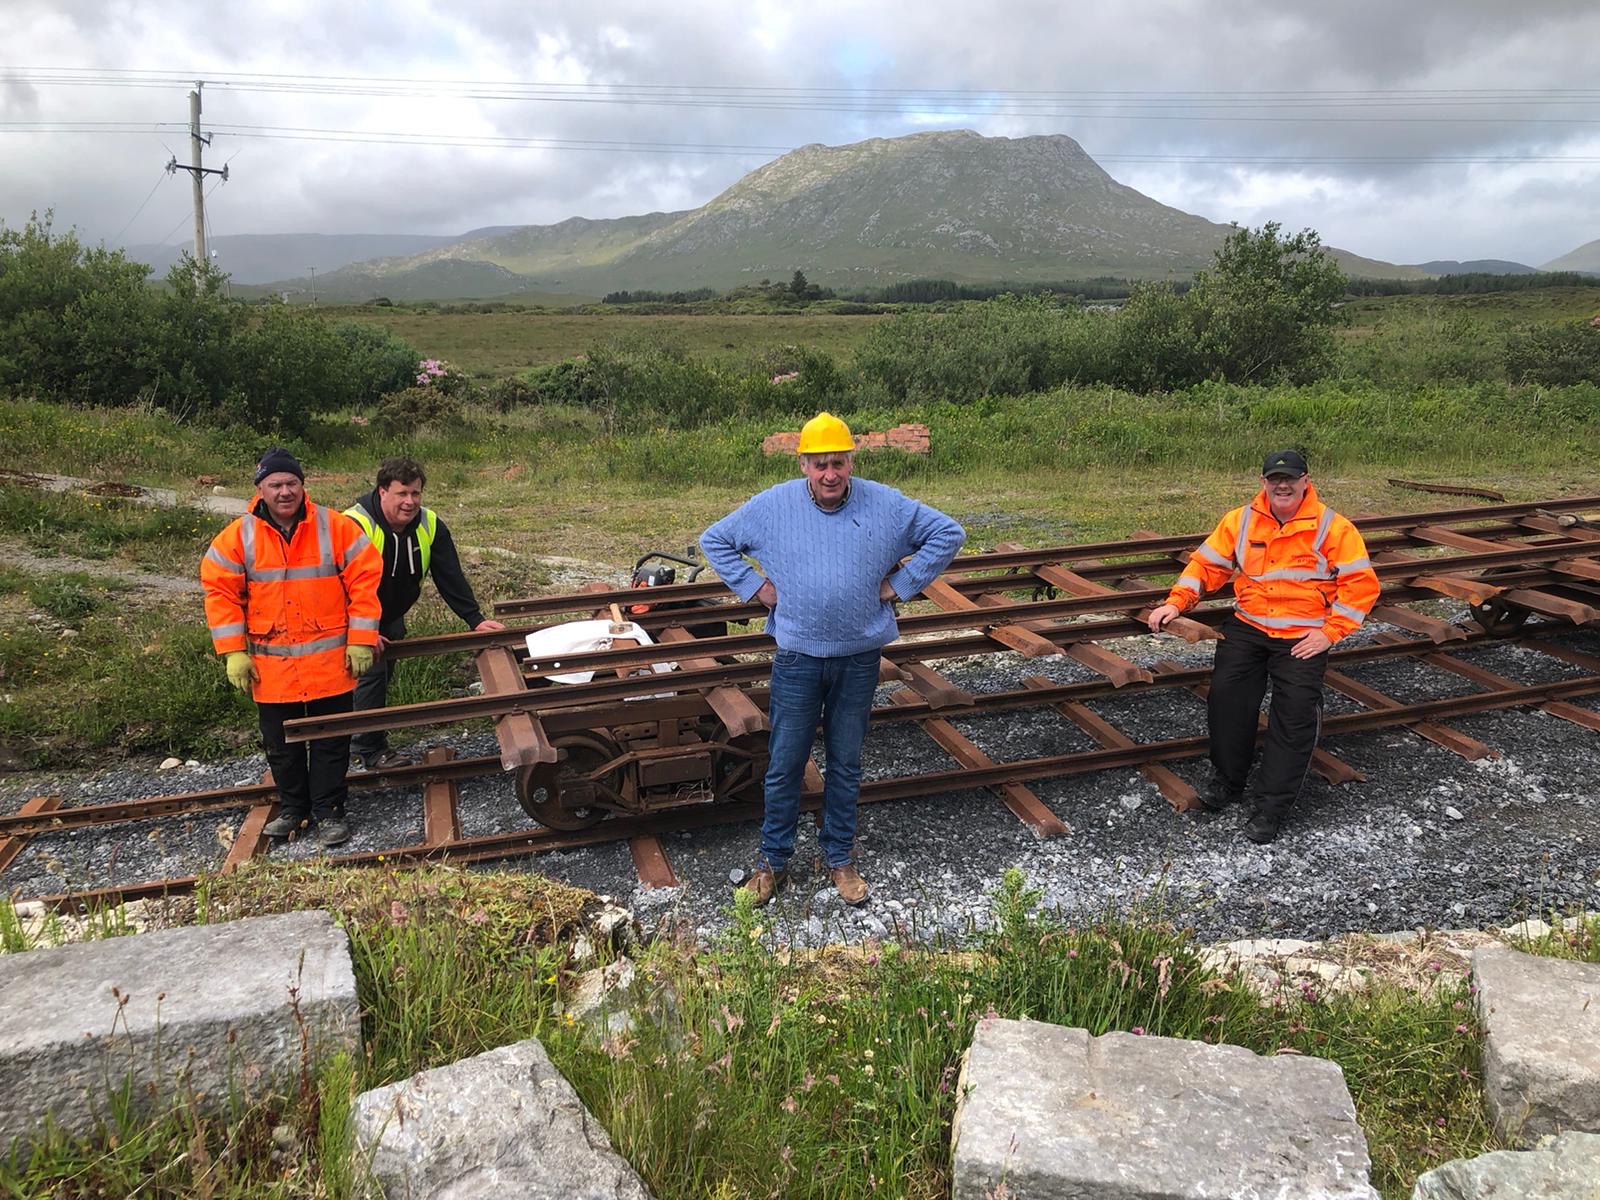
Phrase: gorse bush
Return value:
(81, 326)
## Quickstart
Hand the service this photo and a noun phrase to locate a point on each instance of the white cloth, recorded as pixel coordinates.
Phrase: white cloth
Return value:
(547, 646)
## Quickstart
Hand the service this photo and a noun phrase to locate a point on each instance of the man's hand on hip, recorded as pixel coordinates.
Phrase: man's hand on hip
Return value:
(768, 594)
(1314, 643)
(887, 594)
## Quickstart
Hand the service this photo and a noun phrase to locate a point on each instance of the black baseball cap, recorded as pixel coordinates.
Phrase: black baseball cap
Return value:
(1284, 462)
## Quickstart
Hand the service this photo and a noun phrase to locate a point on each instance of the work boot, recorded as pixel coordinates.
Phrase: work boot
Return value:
(1219, 796)
(283, 825)
(764, 883)
(1263, 826)
(332, 832)
(852, 888)
(386, 759)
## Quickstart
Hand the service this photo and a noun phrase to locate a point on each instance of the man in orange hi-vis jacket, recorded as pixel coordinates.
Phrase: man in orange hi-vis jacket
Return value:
(292, 600)
(1301, 581)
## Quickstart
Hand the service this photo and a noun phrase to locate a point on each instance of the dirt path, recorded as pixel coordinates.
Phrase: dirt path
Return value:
(15, 554)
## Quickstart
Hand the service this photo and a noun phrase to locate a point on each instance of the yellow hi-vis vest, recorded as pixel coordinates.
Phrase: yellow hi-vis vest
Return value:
(426, 528)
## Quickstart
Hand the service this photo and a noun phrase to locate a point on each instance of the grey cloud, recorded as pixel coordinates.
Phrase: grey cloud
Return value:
(1036, 46)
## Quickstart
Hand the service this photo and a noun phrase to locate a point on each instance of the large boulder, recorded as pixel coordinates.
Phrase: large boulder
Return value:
(1541, 1051)
(1561, 1168)
(1050, 1113)
(198, 1010)
(505, 1125)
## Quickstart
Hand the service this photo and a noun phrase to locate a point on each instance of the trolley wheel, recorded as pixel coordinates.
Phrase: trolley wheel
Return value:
(559, 794)
(741, 770)
(1499, 616)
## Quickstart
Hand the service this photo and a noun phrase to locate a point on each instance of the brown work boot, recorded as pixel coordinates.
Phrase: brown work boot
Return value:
(852, 888)
(764, 883)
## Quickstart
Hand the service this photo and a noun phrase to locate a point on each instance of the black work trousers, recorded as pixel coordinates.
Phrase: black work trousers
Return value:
(309, 775)
(372, 691)
(1246, 659)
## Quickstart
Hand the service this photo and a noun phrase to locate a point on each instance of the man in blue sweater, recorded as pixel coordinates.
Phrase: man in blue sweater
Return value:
(831, 549)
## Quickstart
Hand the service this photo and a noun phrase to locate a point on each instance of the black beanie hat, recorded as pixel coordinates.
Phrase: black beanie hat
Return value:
(278, 459)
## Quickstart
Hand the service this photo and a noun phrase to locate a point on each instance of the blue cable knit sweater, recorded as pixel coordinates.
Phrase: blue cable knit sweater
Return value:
(827, 566)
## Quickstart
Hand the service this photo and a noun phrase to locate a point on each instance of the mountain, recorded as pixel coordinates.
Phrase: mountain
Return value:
(260, 257)
(1479, 266)
(949, 205)
(1586, 258)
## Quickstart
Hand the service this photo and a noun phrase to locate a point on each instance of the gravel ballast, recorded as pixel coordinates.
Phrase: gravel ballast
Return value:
(1430, 839)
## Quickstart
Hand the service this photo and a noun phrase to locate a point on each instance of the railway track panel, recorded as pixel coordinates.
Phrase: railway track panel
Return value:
(1088, 595)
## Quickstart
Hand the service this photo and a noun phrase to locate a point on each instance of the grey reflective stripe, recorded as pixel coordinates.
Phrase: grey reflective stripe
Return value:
(1355, 614)
(284, 574)
(1322, 536)
(1190, 582)
(298, 649)
(1211, 556)
(222, 560)
(1244, 535)
(247, 543)
(1294, 573)
(1283, 622)
(355, 548)
(234, 630)
(1355, 564)
(364, 623)
(325, 537)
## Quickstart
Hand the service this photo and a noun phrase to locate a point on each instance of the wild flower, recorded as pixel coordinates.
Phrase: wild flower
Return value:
(1462, 1029)
(789, 1105)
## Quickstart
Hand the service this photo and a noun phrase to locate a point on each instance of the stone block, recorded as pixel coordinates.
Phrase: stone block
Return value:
(1052, 1113)
(505, 1124)
(1541, 1049)
(207, 1008)
(1560, 1168)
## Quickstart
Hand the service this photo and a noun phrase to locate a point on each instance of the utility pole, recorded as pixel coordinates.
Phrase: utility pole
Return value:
(197, 172)
(313, 271)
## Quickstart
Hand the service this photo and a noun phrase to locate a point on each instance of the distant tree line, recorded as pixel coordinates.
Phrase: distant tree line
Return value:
(1470, 282)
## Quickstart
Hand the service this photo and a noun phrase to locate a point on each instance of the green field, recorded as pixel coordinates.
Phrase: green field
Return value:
(500, 343)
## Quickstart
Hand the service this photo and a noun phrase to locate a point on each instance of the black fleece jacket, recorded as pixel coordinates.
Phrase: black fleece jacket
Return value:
(402, 568)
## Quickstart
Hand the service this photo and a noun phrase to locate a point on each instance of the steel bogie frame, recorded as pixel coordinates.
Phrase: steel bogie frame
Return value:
(634, 753)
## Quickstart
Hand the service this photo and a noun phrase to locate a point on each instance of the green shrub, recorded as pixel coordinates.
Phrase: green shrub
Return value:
(509, 393)
(414, 409)
(81, 326)
(1554, 355)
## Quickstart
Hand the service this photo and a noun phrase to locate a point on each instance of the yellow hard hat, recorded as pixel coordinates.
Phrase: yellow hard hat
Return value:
(825, 434)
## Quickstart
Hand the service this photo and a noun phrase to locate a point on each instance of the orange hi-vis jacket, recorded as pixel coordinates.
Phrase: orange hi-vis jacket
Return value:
(293, 604)
(1310, 572)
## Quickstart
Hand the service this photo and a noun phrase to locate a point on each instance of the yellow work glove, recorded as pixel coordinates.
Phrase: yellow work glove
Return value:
(358, 660)
(241, 670)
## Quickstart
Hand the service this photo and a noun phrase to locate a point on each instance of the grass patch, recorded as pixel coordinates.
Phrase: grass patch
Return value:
(766, 1072)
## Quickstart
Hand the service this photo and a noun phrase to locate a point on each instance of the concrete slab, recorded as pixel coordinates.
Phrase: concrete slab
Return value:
(505, 1125)
(207, 1007)
(1050, 1113)
(1541, 1050)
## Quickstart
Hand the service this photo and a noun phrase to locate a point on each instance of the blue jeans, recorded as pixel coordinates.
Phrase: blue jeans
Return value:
(838, 691)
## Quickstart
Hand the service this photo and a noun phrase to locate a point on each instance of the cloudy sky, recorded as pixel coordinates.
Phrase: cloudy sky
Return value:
(1403, 131)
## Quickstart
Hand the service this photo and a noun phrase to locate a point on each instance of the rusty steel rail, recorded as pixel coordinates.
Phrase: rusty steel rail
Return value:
(905, 706)
(1009, 559)
(519, 844)
(1032, 615)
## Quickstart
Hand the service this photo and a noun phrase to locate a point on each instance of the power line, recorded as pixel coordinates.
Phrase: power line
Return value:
(903, 101)
(508, 142)
(117, 241)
